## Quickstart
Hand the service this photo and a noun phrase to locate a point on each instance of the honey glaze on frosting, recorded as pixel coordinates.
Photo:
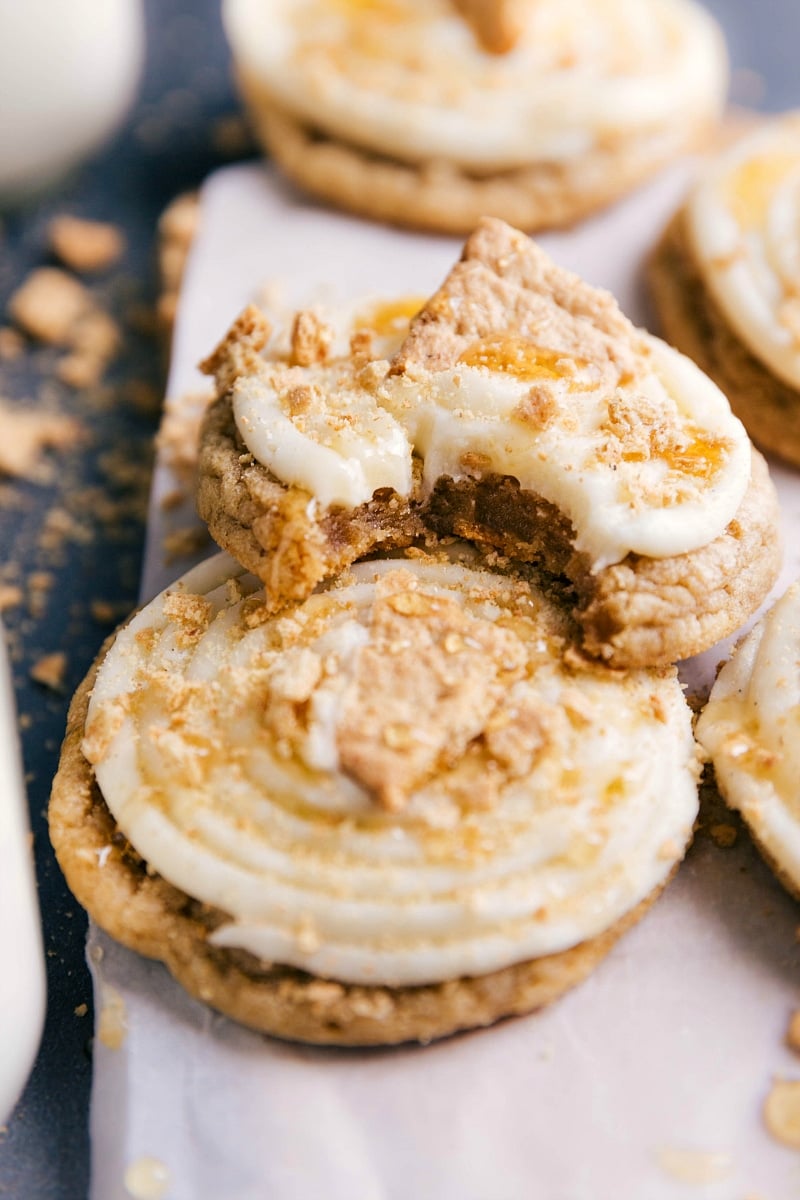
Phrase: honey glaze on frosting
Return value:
(743, 219)
(409, 78)
(399, 781)
(514, 367)
(751, 730)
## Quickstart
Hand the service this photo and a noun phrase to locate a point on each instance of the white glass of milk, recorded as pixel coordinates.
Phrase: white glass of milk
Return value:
(22, 979)
(68, 74)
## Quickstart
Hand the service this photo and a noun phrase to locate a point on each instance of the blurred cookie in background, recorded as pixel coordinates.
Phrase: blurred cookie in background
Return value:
(432, 115)
(725, 279)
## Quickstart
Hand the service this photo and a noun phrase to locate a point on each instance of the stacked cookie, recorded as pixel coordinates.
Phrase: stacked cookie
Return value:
(416, 756)
(432, 113)
(726, 280)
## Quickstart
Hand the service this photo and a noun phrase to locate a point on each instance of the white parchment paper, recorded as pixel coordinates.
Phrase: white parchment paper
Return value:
(646, 1083)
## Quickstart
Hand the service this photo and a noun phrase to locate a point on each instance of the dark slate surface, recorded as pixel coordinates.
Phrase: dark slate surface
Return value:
(166, 147)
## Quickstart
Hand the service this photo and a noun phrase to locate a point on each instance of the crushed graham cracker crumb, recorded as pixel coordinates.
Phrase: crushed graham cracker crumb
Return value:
(49, 304)
(57, 309)
(192, 613)
(25, 435)
(793, 1032)
(177, 441)
(239, 351)
(311, 339)
(424, 688)
(12, 344)
(11, 596)
(85, 245)
(183, 543)
(103, 726)
(781, 1112)
(723, 835)
(112, 1024)
(50, 670)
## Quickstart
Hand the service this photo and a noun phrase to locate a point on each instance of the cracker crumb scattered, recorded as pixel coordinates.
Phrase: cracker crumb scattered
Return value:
(192, 613)
(105, 724)
(793, 1032)
(311, 339)
(183, 543)
(112, 1025)
(230, 136)
(81, 1010)
(26, 433)
(57, 309)
(12, 344)
(177, 229)
(11, 596)
(178, 437)
(781, 1112)
(104, 612)
(724, 835)
(85, 245)
(239, 352)
(50, 670)
(49, 304)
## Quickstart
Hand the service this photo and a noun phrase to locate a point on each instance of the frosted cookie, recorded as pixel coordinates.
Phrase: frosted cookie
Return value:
(432, 114)
(750, 730)
(726, 280)
(522, 411)
(397, 810)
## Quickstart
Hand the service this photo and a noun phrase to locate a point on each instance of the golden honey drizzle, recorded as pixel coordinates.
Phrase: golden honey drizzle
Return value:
(751, 187)
(700, 458)
(389, 316)
(389, 10)
(520, 358)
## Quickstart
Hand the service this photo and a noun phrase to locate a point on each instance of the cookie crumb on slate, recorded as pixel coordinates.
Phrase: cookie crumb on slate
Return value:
(26, 433)
(724, 835)
(85, 245)
(57, 309)
(50, 670)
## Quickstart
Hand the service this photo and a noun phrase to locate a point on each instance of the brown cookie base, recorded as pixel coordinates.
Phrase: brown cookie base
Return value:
(445, 198)
(640, 612)
(693, 321)
(148, 915)
(273, 531)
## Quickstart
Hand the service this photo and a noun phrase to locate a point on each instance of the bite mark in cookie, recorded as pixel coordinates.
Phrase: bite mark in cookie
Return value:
(521, 410)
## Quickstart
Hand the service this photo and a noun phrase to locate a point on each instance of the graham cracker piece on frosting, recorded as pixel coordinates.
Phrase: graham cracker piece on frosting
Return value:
(497, 24)
(505, 285)
(239, 352)
(425, 687)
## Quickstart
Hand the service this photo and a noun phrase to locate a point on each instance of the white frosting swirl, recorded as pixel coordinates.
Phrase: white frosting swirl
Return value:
(540, 803)
(751, 729)
(744, 223)
(407, 77)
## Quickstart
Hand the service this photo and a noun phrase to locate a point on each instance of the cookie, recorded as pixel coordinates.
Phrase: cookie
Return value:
(749, 730)
(432, 115)
(399, 809)
(725, 280)
(523, 411)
